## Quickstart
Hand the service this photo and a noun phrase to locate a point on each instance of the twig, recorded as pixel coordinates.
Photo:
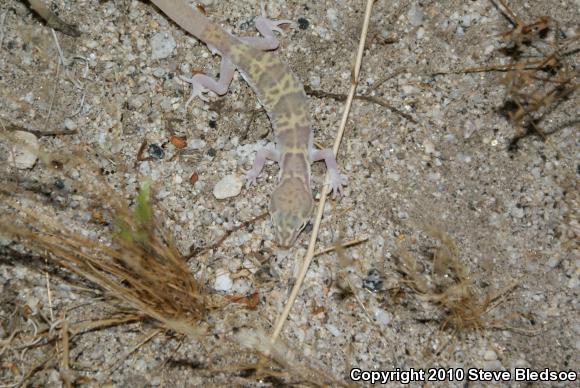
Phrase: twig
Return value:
(342, 245)
(31, 372)
(373, 99)
(54, 89)
(310, 253)
(378, 83)
(195, 252)
(508, 13)
(530, 65)
(37, 133)
(52, 20)
(65, 372)
(125, 355)
(2, 20)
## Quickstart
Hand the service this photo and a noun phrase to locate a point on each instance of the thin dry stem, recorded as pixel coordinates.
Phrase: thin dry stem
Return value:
(310, 252)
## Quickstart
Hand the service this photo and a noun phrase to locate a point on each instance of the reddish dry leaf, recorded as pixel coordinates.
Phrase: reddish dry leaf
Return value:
(193, 178)
(179, 142)
(250, 301)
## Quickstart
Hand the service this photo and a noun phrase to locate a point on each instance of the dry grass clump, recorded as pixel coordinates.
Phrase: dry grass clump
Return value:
(447, 285)
(135, 261)
(540, 74)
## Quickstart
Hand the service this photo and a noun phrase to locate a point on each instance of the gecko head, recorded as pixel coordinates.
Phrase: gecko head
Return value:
(290, 207)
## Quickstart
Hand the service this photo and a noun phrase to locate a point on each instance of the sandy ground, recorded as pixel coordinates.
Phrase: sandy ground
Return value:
(440, 159)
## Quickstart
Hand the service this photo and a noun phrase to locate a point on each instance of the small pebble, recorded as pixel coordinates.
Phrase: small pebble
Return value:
(303, 23)
(70, 124)
(332, 16)
(223, 282)
(333, 330)
(381, 316)
(159, 72)
(25, 149)
(420, 33)
(429, 147)
(136, 102)
(59, 184)
(415, 15)
(492, 365)
(373, 281)
(554, 261)
(393, 176)
(162, 45)
(489, 355)
(409, 89)
(521, 363)
(314, 81)
(228, 186)
(155, 151)
(197, 144)
(517, 212)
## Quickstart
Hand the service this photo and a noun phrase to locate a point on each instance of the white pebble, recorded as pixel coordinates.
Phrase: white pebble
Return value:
(223, 282)
(162, 45)
(434, 176)
(332, 15)
(25, 149)
(159, 72)
(415, 15)
(314, 81)
(70, 124)
(492, 365)
(196, 144)
(333, 330)
(429, 147)
(228, 186)
(517, 212)
(420, 33)
(392, 176)
(489, 355)
(409, 89)
(382, 316)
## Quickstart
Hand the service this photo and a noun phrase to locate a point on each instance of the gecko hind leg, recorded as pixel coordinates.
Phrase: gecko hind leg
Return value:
(201, 83)
(266, 28)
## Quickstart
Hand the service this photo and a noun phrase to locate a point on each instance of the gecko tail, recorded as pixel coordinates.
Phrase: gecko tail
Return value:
(186, 17)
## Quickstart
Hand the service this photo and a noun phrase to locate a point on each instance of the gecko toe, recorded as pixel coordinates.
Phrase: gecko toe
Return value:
(250, 179)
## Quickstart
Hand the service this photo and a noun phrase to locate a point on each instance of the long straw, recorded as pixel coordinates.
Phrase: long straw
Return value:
(310, 252)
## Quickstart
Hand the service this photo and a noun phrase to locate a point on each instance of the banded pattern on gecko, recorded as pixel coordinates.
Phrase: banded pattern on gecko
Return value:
(285, 101)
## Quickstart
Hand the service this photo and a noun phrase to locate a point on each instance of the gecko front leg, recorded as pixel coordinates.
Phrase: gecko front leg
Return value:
(201, 83)
(261, 156)
(337, 180)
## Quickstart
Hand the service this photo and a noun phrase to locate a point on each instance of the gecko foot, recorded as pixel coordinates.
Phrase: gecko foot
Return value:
(250, 177)
(337, 181)
(263, 23)
(197, 90)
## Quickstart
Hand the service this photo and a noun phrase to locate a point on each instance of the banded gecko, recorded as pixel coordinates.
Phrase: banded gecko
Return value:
(286, 104)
